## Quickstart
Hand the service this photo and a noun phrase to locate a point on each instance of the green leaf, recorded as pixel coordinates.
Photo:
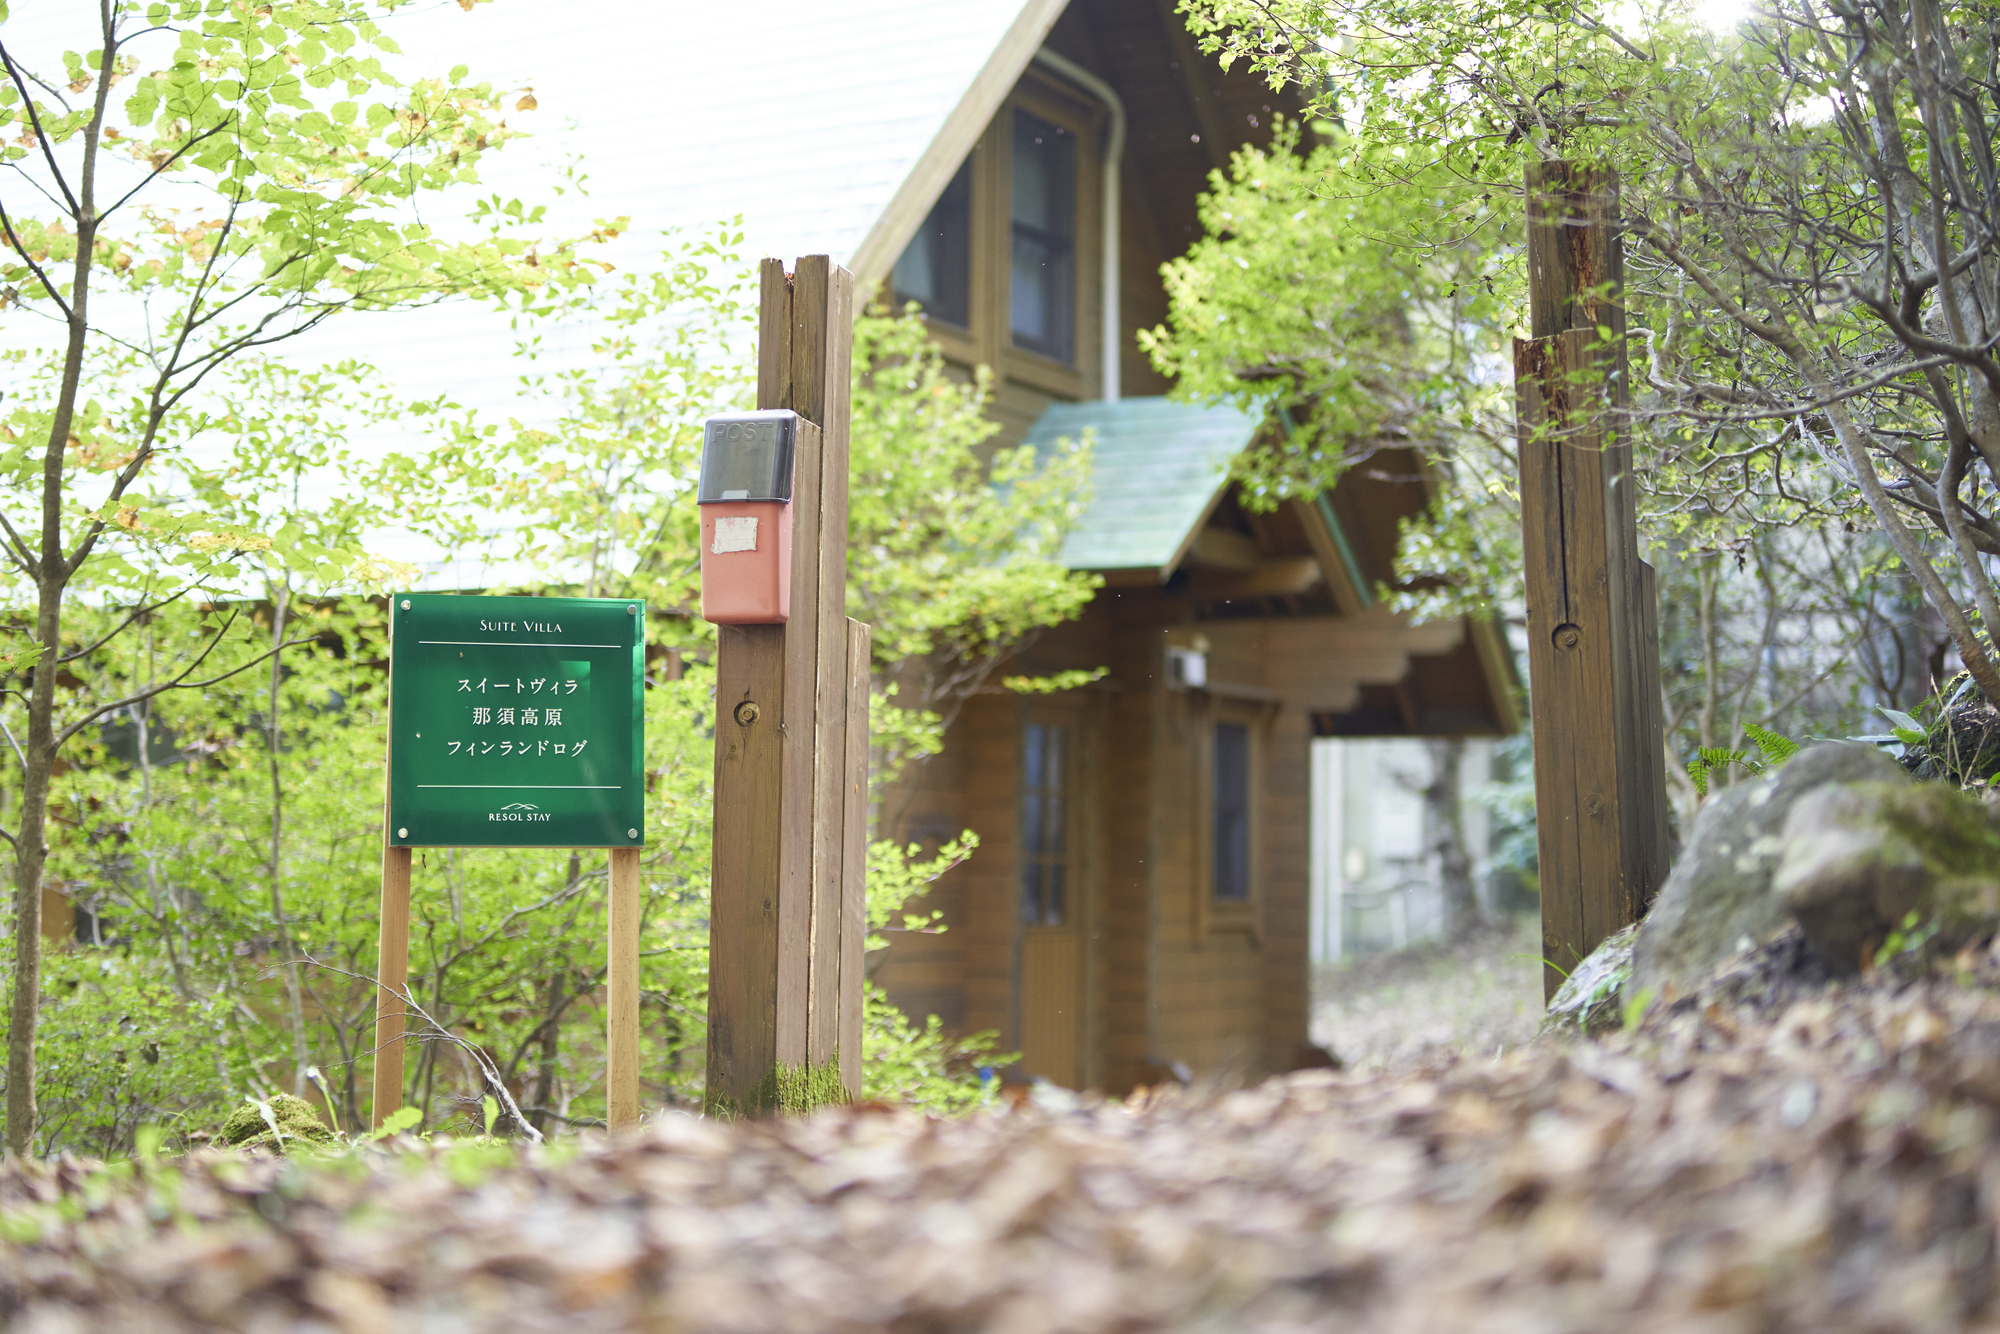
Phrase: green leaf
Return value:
(1903, 721)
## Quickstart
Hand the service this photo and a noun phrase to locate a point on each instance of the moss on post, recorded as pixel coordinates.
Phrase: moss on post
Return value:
(785, 1088)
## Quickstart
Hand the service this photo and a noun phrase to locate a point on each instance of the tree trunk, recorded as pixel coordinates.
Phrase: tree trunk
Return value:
(30, 855)
(1462, 917)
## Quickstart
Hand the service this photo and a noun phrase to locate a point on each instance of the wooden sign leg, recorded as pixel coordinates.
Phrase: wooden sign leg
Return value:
(392, 975)
(622, 987)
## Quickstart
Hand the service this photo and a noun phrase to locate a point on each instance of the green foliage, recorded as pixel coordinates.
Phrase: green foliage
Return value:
(924, 1066)
(1303, 296)
(1910, 938)
(121, 1049)
(1905, 728)
(1773, 750)
(1635, 1007)
(1803, 354)
(954, 547)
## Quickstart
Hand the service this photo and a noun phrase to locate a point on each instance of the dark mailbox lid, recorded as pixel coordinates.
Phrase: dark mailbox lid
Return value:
(748, 456)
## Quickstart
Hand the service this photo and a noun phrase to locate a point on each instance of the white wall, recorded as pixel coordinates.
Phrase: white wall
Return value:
(1374, 882)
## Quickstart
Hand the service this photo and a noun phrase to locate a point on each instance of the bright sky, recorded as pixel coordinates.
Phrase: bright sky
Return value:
(799, 114)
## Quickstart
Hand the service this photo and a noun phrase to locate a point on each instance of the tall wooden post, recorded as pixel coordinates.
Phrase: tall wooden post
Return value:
(1593, 638)
(786, 923)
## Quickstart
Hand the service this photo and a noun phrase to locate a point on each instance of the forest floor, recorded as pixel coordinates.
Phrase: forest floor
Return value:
(1780, 1154)
(1404, 1007)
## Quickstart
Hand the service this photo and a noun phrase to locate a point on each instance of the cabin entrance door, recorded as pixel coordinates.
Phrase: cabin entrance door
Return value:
(1051, 964)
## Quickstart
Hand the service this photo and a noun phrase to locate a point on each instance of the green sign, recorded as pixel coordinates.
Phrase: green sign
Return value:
(516, 722)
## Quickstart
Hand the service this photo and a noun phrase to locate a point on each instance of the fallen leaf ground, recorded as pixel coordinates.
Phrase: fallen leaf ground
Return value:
(1391, 1010)
(1817, 1159)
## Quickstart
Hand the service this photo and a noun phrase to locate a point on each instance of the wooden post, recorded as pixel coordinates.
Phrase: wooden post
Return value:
(788, 853)
(622, 987)
(1593, 650)
(392, 977)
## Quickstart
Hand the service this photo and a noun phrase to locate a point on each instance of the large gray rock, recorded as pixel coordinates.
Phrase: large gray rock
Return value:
(1592, 998)
(1718, 898)
(1869, 864)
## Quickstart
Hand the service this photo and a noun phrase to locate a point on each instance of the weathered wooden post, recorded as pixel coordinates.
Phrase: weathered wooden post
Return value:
(787, 923)
(1593, 636)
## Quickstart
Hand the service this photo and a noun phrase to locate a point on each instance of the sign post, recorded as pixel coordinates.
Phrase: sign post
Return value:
(515, 722)
(787, 925)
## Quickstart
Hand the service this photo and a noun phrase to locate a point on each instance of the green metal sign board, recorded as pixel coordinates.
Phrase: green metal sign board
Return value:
(516, 722)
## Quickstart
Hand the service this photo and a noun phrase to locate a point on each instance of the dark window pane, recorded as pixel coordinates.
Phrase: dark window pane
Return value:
(1031, 893)
(1033, 837)
(1044, 817)
(1232, 813)
(935, 269)
(1043, 279)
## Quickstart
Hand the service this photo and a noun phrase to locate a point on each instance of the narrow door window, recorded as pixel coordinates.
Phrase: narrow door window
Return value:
(1043, 282)
(1044, 819)
(1231, 835)
(935, 269)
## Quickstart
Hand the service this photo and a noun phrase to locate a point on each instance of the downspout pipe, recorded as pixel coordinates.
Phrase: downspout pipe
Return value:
(1114, 153)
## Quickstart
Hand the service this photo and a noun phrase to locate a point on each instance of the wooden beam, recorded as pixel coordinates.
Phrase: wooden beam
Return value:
(854, 866)
(1592, 649)
(1341, 580)
(1268, 578)
(392, 978)
(622, 990)
(1220, 549)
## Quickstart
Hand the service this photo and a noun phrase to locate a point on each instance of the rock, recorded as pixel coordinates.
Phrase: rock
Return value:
(247, 1128)
(1592, 998)
(1718, 898)
(1860, 858)
(1963, 745)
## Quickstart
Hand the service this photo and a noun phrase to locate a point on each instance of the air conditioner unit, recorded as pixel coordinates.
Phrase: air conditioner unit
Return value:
(1187, 669)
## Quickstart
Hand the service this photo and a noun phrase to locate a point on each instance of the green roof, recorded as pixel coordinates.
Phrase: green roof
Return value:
(1156, 467)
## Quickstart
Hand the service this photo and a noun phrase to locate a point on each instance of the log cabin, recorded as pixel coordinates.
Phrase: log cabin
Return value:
(1139, 901)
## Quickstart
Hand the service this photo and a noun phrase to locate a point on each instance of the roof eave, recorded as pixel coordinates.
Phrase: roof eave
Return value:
(907, 208)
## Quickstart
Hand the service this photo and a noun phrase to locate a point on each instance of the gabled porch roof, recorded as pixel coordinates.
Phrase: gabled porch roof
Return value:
(1158, 468)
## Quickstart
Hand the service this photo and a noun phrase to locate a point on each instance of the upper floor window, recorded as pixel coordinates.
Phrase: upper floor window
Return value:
(1044, 821)
(1042, 288)
(1230, 798)
(935, 269)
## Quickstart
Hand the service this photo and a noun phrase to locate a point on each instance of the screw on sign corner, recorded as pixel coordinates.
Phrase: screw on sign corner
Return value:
(1568, 636)
(746, 713)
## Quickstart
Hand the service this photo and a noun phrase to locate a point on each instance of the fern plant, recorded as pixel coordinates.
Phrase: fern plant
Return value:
(1773, 750)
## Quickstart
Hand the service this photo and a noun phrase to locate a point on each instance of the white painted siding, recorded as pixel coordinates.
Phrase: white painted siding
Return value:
(1374, 884)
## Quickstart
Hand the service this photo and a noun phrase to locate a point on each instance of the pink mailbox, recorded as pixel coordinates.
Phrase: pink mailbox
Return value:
(746, 517)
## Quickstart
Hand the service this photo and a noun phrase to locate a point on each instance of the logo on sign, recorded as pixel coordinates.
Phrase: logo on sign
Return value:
(517, 810)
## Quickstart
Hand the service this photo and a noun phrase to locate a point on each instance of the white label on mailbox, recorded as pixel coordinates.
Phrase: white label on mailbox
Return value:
(735, 535)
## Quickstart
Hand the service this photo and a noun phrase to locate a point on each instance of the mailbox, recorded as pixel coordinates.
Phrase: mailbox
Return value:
(746, 517)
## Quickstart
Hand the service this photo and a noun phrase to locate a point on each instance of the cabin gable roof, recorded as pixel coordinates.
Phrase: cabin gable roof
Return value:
(1158, 467)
